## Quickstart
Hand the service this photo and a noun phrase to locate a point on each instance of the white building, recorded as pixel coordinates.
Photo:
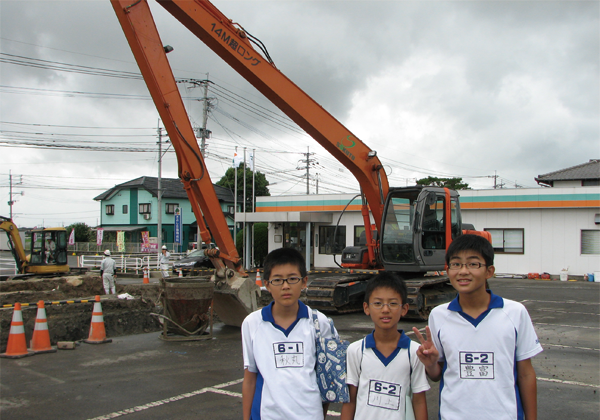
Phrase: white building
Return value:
(533, 230)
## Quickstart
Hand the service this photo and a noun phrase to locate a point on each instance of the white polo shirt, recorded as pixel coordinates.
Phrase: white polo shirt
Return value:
(285, 360)
(383, 381)
(479, 376)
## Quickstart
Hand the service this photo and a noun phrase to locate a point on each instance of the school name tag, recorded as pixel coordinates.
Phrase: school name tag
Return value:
(289, 354)
(476, 365)
(384, 395)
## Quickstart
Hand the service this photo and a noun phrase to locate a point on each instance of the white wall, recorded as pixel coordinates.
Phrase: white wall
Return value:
(552, 239)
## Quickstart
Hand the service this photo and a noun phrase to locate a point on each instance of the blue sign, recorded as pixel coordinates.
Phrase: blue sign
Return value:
(178, 225)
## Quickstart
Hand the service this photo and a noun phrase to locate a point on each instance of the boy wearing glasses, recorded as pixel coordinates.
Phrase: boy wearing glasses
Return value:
(480, 344)
(280, 355)
(383, 368)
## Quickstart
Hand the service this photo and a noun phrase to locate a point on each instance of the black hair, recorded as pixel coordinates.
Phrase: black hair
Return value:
(474, 243)
(389, 280)
(283, 256)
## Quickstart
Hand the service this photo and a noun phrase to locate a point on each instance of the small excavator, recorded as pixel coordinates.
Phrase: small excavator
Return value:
(47, 253)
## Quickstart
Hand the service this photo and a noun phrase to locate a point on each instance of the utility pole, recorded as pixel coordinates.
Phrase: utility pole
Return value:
(308, 162)
(204, 118)
(307, 170)
(11, 201)
(159, 188)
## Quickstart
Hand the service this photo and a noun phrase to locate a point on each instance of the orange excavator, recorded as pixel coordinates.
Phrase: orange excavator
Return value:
(407, 229)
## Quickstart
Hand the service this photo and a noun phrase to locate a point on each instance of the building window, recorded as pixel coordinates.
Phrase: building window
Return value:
(590, 182)
(590, 242)
(508, 241)
(124, 208)
(327, 243)
(145, 208)
(170, 209)
(110, 209)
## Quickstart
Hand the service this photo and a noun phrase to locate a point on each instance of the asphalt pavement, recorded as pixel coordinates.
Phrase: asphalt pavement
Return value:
(141, 376)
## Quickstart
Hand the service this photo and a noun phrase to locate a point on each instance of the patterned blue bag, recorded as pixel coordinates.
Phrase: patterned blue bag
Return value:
(331, 365)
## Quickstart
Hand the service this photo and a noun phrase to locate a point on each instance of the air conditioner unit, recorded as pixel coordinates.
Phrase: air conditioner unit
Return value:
(147, 216)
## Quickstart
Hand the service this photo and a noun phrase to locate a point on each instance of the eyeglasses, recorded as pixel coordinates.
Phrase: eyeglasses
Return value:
(470, 265)
(393, 306)
(290, 280)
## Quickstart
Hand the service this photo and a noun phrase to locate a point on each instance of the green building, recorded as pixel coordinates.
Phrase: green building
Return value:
(132, 207)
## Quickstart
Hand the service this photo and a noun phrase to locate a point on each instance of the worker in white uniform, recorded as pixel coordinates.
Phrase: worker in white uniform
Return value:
(108, 269)
(164, 261)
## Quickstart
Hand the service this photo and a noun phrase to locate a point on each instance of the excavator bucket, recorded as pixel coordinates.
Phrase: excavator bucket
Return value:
(235, 297)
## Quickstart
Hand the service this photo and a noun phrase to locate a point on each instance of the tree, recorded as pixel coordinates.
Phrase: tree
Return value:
(83, 233)
(261, 243)
(261, 187)
(452, 183)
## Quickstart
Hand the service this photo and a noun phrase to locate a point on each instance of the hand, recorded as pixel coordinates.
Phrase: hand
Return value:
(427, 353)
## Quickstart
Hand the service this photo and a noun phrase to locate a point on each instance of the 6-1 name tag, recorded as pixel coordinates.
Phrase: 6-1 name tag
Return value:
(384, 395)
(289, 354)
(476, 365)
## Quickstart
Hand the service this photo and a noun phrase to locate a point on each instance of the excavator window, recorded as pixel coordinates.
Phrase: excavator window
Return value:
(433, 225)
(397, 241)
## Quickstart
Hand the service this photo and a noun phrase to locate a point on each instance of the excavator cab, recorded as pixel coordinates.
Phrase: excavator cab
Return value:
(414, 232)
(48, 251)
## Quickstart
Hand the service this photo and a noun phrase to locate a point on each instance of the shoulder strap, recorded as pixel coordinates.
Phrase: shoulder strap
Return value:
(409, 362)
(316, 323)
(362, 352)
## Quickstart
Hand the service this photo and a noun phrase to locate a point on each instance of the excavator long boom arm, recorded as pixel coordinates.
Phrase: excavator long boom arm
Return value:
(231, 43)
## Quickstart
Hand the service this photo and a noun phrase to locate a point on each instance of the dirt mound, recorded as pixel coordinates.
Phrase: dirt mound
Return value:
(71, 321)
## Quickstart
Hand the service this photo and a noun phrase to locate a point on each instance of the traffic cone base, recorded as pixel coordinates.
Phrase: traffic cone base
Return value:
(97, 331)
(40, 342)
(16, 346)
(258, 279)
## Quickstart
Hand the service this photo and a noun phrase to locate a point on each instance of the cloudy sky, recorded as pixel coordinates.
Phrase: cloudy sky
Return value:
(471, 89)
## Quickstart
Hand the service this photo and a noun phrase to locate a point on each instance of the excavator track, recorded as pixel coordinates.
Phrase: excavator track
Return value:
(345, 294)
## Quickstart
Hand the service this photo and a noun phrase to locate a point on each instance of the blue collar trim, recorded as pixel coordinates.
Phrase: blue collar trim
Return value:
(267, 315)
(495, 303)
(403, 343)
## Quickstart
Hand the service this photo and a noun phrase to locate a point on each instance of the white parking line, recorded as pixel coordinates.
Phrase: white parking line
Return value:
(569, 302)
(568, 382)
(568, 347)
(217, 389)
(567, 326)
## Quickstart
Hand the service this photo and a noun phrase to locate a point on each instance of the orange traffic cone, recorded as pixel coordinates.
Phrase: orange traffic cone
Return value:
(40, 342)
(146, 279)
(258, 279)
(97, 331)
(180, 273)
(17, 345)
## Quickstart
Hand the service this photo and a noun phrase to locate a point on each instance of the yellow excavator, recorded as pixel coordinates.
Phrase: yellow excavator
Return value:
(48, 251)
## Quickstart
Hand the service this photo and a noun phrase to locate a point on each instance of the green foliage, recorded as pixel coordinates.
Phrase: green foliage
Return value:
(261, 243)
(452, 183)
(261, 186)
(83, 233)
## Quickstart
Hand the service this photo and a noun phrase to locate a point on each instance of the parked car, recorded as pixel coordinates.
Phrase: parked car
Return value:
(193, 261)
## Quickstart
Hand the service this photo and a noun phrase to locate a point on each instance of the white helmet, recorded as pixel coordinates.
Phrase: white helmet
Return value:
(164, 247)
(107, 253)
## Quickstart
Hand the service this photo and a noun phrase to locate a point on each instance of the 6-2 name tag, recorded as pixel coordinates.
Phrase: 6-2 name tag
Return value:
(289, 354)
(476, 365)
(384, 395)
